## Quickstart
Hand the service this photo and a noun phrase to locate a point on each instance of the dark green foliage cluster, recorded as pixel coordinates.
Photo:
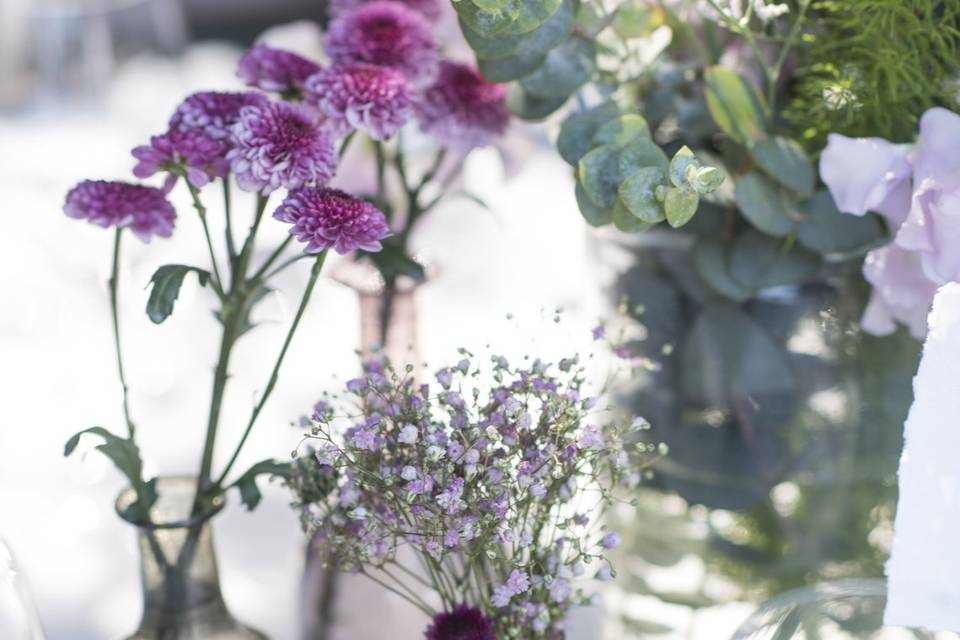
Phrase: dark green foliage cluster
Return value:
(872, 67)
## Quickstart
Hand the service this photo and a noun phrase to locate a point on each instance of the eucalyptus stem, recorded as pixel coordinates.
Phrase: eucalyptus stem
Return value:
(275, 374)
(115, 315)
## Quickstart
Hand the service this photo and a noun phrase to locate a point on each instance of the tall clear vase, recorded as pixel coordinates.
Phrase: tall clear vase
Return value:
(178, 567)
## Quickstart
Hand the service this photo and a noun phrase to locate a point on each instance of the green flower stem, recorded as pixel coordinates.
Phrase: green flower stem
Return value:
(273, 258)
(795, 30)
(744, 30)
(228, 231)
(202, 212)
(274, 375)
(114, 313)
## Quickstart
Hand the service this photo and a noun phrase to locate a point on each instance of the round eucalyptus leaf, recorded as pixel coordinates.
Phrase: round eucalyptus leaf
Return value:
(735, 105)
(638, 194)
(594, 215)
(710, 258)
(567, 68)
(598, 173)
(510, 68)
(578, 130)
(682, 159)
(786, 162)
(626, 221)
(764, 204)
(623, 130)
(492, 5)
(532, 13)
(530, 107)
(827, 231)
(537, 42)
(680, 206)
(487, 22)
(758, 262)
(641, 152)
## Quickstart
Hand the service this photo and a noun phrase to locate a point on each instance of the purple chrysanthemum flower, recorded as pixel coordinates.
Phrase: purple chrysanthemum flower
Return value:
(144, 210)
(354, 96)
(280, 145)
(275, 69)
(214, 112)
(199, 156)
(463, 623)
(325, 218)
(431, 9)
(462, 110)
(388, 34)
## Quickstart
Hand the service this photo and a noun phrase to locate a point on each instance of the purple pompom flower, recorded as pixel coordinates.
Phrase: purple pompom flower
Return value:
(213, 112)
(144, 210)
(275, 69)
(388, 34)
(355, 96)
(463, 623)
(431, 9)
(200, 157)
(325, 218)
(462, 110)
(280, 145)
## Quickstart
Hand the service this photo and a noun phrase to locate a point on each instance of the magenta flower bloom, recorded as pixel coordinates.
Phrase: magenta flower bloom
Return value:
(431, 9)
(199, 156)
(462, 110)
(388, 34)
(144, 210)
(325, 218)
(463, 623)
(355, 96)
(214, 112)
(275, 69)
(280, 145)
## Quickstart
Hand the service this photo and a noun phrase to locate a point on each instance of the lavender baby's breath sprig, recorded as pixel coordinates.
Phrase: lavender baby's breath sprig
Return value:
(494, 476)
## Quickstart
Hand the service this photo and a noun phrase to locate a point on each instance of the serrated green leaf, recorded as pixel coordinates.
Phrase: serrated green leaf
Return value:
(735, 105)
(765, 205)
(678, 166)
(827, 231)
(579, 128)
(530, 107)
(598, 172)
(566, 69)
(247, 483)
(786, 162)
(623, 130)
(626, 221)
(680, 206)
(165, 287)
(594, 215)
(638, 194)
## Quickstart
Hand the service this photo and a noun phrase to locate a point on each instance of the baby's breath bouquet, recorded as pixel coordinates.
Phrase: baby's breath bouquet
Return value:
(478, 497)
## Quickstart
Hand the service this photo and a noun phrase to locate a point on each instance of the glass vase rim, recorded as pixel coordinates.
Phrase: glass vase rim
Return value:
(216, 505)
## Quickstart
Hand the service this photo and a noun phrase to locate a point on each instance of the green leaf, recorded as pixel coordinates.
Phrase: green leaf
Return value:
(638, 194)
(247, 483)
(680, 206)
(533, 13)
(827, 231)
(391, 262)
(736, 106)
(759, 262)
(512, 67)
(566, 69)
(166, 282)
(626, 221)
(530, 107)
(594, 215)
(683, 159)
(639, 154)
(487, 22)
(710, 258)
(785, 161)
(623, 130)
(535, 43)
(578, 130)
(598, 172)
(765, 205)
(126, 458)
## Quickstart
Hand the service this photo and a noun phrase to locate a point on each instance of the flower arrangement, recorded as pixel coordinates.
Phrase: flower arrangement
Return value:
(486, 487)
(287, 135)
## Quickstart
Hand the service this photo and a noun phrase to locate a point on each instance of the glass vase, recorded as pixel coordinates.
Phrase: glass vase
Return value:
(178, 567)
